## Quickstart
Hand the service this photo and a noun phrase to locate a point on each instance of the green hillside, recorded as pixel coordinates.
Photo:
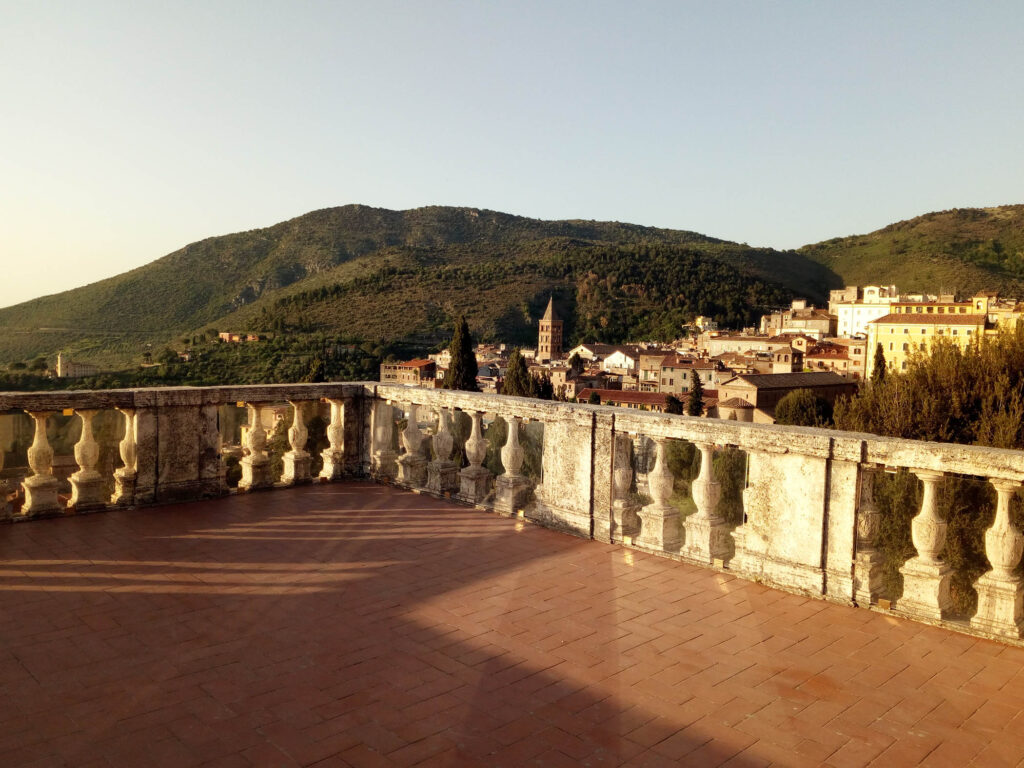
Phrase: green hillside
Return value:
(372, 273)
(964, 249)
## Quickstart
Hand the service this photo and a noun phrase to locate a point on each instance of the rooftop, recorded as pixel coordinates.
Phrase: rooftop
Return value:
(354, 624)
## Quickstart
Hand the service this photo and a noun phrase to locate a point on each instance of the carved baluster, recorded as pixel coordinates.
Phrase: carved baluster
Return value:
(296, 460)
(926, 578)
(512, 487)
(256, 465)
(867, 567)
(625, 522)
(660, 528)
(86, 483)
(124, 477)
(382, 465)
(41, 488)
(474, 480)
(412, 465)
(442, 474)
(1000, 593)
(707, 535)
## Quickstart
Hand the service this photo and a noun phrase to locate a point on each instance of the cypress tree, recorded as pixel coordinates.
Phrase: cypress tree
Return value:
(695, 405)
(878, 368)
(517, 378)
(461, 373)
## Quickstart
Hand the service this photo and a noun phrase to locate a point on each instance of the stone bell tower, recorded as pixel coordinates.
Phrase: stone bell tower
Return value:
(549, 341)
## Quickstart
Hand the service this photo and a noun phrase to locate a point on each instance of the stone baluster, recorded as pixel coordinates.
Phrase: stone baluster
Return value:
(867, 566)
(86, 483)
(474, 480)
(512, 487)
(625, 521)
(1000, 593)
(660, 529)
(41, 487)
(412, 465)
(334, 454)
(382, 455)
(926, 578)
(442, 474)
(124, 476)
(707, 534)
(256, 465)
(296, 460)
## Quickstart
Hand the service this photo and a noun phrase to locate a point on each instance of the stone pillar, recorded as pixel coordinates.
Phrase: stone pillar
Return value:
(512, 487)
(296, 460)
(41, 488)
(926, 578)
(412, 465)
(659, 521)
(334, 454)
(867, 564)
(442, 474)
(707, 535)
(474, 480)
(382, 455)
(124, 476)
(1000, 594)
(86, 483)
(625, 522)
(255, 466)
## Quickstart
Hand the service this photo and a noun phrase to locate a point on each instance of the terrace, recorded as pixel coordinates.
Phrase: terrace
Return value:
(352, 622)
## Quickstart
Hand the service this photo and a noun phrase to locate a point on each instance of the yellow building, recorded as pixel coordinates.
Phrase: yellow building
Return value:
(913, 326)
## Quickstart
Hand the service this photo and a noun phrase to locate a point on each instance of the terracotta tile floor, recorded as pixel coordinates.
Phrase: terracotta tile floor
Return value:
(357, 625)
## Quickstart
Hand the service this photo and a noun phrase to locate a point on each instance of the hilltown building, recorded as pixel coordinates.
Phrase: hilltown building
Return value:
(760, 393)
(800, 318)
(549, 335)
(421, 373)
(67, 369)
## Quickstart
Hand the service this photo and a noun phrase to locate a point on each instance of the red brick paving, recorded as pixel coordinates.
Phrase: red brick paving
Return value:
(358, 625)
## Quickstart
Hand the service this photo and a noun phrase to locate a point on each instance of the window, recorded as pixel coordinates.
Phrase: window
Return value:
(923, 346)
(906, 347)
(890, 346)
(906, 330)
(954, 332)
(930, 310)
(918, 310)
(968, 331)
(938, 331)
(923, 331)
(903, 365)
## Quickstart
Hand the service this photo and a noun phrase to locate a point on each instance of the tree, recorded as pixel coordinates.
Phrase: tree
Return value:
(543, 388)
(39, 364)
(317, 370)
(461, 373)
(576, 364)
(695, 404)
(594, 399)
(673, 405)
(878, 368)
(518, 382)
(803, 408)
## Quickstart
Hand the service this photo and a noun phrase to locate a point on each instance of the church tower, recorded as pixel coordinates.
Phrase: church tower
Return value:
(549, 341)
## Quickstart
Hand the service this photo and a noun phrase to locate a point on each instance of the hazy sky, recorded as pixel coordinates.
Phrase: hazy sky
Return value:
(129, 129)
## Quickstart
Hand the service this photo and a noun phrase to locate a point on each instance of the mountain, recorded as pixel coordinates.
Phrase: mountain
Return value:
(964, 249)
(370, 273)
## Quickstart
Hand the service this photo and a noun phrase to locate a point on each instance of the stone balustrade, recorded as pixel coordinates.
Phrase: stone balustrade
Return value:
(809, 521)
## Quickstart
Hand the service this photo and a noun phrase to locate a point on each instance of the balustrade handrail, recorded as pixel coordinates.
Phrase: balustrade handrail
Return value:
(809, 521)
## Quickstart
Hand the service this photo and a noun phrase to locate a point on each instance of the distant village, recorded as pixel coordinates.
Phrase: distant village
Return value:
(743, 375)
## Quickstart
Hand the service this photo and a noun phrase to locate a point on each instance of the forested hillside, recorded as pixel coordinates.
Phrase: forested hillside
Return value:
(390, 275)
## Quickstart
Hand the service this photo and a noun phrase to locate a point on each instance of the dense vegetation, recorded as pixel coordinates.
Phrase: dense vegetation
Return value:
(965, 249)
(972, 396)
(432, 264)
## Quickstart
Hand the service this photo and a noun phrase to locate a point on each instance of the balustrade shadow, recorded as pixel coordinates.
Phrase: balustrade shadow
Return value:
(324, 620)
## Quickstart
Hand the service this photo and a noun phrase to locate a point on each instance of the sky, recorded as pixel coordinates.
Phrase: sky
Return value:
(130, 129)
